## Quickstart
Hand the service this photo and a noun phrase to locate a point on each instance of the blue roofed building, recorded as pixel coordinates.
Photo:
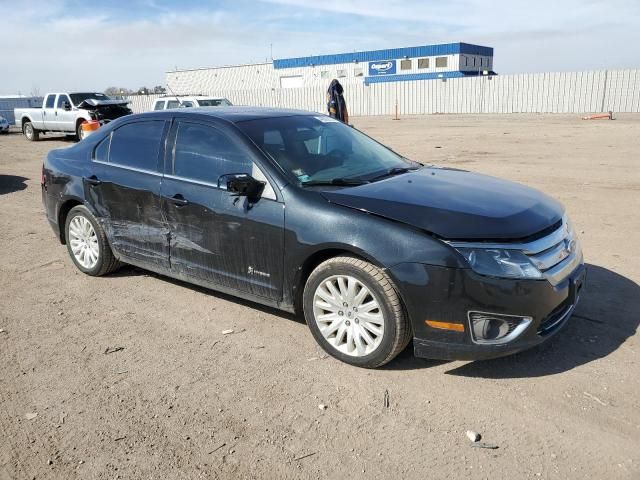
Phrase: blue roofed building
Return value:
(426, 62)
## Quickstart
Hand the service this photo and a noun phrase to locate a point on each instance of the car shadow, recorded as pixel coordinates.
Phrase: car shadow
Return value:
(607, 315)
(57, 138)
(11, 183)
(131, 271)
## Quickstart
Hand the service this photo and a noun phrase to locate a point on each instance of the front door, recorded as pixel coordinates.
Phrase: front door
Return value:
(215, 236)
(48, 112)
(124, 190)
(65, 119)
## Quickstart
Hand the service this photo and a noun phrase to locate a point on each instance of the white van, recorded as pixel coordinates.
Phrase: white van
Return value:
(165, 103)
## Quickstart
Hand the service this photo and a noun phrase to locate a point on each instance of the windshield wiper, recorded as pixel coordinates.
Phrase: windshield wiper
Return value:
(392, 171)
(342, 182)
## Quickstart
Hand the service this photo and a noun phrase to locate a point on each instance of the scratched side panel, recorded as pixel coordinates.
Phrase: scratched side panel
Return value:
(127, 204)
(225, 240)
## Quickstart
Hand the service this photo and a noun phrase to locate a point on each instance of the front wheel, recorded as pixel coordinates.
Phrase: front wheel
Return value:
(354, 312)
(80, 133)
(87, 244)
(30, 132)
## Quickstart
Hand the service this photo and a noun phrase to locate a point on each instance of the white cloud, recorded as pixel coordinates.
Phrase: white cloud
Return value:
(54, 47)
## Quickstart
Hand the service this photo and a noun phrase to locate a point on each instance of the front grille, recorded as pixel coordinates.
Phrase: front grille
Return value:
(553, 249)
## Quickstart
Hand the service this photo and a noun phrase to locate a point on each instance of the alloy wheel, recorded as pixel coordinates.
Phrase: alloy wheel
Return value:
(83, 242)
(348, 315)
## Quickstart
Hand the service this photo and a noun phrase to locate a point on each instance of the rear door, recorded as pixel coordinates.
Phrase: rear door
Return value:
(124, 191)
(215, 236)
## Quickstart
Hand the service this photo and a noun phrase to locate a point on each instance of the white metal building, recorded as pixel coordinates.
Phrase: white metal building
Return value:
(427, 62)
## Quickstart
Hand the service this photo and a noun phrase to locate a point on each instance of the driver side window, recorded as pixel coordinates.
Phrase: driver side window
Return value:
(203, 154)
(62, 99)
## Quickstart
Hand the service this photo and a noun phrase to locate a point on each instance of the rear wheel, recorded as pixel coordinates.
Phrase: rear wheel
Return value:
(30, 132)
(87, 244)
(354, 312)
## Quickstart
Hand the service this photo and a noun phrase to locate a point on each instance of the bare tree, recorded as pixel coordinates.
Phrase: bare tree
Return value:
(114, 91)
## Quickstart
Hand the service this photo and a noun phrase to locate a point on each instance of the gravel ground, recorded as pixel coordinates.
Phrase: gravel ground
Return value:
(178, 399)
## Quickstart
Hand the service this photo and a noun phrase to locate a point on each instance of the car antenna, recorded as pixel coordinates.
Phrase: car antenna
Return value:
(173, 93)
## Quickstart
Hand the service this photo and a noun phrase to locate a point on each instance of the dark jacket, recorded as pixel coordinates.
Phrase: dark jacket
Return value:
(336, 105)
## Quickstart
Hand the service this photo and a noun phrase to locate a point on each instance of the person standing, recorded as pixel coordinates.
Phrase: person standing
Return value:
(335, 102)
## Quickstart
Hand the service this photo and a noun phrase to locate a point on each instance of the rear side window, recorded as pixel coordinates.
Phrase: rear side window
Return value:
(173, 104)
(101, 152)
(51, 100)
(137, 145)
(204, 153)
(159, 105)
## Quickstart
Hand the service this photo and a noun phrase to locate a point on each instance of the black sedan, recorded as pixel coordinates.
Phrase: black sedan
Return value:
(298, 211)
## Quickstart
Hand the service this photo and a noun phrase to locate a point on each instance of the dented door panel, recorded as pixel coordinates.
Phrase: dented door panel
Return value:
(224, 240)
(128, 206)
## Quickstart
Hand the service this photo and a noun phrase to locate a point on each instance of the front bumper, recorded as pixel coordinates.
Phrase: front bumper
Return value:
(449, 294)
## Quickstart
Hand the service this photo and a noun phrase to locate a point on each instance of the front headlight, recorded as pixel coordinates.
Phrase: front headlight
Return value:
(498, 262)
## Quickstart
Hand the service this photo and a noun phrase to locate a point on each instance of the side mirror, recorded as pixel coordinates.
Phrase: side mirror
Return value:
(242, 185)
(67, 106)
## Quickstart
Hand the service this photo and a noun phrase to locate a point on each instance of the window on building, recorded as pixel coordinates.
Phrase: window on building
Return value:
(204, 153)
(405, 64)
(358, 72)
(137, 145)
(423, 63)
(441, 62)
(325, 74)
(342, 73)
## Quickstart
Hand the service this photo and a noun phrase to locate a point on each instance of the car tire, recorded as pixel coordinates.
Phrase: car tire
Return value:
(87, 243)
(368, 338)
(79, 132)
(30, 132)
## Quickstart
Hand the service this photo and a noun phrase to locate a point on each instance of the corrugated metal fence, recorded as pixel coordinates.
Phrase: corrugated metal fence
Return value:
(566, 92)
(7, 104)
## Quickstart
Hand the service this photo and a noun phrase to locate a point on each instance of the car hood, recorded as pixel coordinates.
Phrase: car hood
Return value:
(455, 204)
(90, 103)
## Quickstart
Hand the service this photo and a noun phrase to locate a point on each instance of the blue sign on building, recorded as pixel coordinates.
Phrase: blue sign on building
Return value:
(383, 67)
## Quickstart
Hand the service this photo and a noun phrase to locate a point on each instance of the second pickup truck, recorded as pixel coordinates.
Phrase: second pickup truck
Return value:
(67, 112)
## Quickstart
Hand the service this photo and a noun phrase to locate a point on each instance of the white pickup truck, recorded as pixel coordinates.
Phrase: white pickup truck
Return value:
(67, 112)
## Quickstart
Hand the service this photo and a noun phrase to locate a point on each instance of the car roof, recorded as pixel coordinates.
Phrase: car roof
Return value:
(231, 114)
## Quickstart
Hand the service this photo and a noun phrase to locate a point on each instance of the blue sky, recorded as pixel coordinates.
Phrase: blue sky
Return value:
(70, 44)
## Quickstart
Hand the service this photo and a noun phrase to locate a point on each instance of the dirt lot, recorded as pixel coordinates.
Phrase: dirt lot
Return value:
(182, 400)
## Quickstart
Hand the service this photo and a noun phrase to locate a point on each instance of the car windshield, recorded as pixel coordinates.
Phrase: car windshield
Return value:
(78, 98)
(319, 149)
(214, 102)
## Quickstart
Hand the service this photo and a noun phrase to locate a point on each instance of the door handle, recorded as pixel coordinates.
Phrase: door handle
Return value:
(93, 180)
(178, 200)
